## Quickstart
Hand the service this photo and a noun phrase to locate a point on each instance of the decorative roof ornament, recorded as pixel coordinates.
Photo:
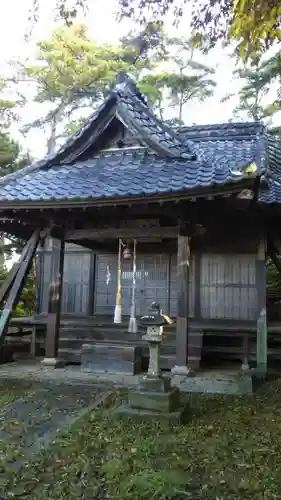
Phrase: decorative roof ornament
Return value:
(251, 168)
(127, 81)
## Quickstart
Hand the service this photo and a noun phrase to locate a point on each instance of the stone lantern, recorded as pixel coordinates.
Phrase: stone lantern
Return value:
(154, 323)
(154, 397)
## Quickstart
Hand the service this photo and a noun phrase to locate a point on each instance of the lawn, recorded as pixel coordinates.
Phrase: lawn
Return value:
(229, 449)
(11, 390)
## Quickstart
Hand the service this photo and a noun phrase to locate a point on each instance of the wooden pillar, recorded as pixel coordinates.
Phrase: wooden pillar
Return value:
(54, 306)
(261, 308)
(182, 333)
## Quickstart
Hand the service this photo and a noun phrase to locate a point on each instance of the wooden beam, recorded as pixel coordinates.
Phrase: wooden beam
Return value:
(261, 307)
(18, 284)
(183, 264)
(17, 229)
(126, 233)
(54, 307)
(111, 246)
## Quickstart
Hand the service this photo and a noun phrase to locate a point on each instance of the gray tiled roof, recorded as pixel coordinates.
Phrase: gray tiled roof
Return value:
(270, 190)
(139, 116)
(125, 100)
(122, 173)
(173, 160)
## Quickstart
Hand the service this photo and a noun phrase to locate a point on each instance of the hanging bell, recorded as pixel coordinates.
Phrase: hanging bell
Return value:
(127, 253)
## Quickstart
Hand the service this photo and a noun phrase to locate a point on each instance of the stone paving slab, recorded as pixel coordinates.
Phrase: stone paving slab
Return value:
(216, 383)
(69, 374)
(212, 382)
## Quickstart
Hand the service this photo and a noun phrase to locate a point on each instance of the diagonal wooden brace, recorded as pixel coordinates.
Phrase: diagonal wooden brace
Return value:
(18, 283)
(4, 290)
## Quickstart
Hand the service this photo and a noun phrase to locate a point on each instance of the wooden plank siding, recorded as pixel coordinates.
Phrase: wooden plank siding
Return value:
(228, 287)
(76, 281)
(221, 285)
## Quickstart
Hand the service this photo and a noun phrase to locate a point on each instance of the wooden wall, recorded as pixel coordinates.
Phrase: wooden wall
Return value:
(222, 282)
(78, 279)
(228, 286)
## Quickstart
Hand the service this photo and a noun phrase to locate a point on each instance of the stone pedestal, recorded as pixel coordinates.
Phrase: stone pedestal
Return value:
(154, 398)
(154, 339)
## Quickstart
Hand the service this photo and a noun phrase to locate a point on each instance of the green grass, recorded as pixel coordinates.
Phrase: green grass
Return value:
(230, 449)
(11, 390)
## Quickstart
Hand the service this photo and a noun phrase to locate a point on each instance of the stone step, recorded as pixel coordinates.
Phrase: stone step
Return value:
(71, 343)
(74, 356)
(111, 358)
(154, 401)
(108, 331)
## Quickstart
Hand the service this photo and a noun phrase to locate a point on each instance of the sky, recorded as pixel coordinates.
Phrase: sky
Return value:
(103, 26)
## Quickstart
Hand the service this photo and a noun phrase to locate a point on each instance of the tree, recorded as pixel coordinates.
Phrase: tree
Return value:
(73, 72)
(253, 24)
(252, 93)
(191, 80)
(259, 77)
(256, 85)
(187, 79)
(272, 74)
(11, 158)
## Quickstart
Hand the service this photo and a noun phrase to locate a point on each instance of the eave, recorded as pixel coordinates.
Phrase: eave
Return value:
(231, 189)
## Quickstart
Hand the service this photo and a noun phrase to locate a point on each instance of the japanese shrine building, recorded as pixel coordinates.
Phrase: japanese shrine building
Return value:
(201, 204)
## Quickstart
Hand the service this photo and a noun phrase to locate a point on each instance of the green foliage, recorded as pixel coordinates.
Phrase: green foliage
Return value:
(187, 79)
(11, 159)
(256, 86)
(253, 25)
(258, 77)
(7, 107)
(9, 152)
(26, 304)
(73, 71)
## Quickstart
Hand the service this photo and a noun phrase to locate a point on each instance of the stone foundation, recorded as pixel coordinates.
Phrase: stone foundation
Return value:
(154, 399)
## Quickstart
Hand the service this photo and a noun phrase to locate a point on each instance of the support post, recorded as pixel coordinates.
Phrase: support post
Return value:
(54, 307)
(261, 366)
(118, 305)
(182, 332)
(33, 342)
(133, 321)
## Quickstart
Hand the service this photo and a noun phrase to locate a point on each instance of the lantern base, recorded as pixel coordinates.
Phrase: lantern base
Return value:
(118, 314)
